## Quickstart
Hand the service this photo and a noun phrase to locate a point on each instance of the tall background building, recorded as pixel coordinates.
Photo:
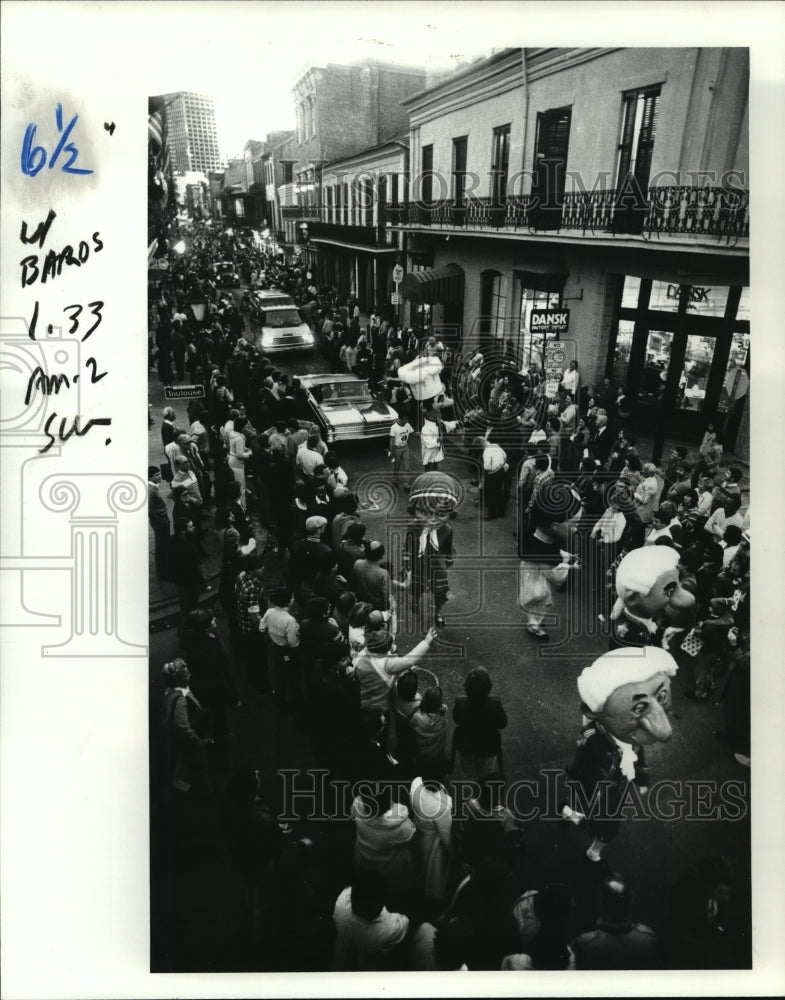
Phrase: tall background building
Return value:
(193, 136)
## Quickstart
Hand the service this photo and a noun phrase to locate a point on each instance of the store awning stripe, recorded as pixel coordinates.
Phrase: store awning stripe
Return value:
(434, 284)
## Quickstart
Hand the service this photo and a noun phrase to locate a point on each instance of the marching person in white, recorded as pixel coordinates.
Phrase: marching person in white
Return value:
(432, 438)
(399, 449)
(494, 471)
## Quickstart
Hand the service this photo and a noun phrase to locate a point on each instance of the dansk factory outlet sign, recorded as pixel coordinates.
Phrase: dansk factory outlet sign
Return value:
(550, 321)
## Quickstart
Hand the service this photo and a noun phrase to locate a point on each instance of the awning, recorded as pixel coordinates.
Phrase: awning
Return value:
(545, 274)
(341, 245)
(434, 284)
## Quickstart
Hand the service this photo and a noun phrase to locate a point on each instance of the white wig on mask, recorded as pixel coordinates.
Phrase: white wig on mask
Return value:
(638, 572)
(621, 666)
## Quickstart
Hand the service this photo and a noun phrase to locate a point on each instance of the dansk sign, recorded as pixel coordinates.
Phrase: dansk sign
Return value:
(550, 321)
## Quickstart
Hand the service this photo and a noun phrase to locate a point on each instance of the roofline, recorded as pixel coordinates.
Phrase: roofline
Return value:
(460, 75)
(401, 141)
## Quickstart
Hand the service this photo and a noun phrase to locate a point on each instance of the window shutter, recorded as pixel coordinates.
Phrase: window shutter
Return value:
(651, 109)
(625, 145)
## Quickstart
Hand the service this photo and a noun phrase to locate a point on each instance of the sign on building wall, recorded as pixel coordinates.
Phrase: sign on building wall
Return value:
(554, 362)
(550, 322)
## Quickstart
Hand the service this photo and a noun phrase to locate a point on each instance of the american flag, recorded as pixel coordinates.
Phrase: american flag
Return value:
(157, 137)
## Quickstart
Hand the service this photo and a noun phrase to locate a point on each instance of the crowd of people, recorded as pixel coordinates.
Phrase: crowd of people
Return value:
(314, 626)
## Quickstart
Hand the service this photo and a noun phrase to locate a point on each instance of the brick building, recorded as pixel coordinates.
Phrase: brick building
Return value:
(607, 183)
(342, 110)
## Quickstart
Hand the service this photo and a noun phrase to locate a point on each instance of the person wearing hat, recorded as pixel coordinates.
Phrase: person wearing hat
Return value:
(377, 667)
(625, 696)
(307, 556)
(652, 607)
(543, 548)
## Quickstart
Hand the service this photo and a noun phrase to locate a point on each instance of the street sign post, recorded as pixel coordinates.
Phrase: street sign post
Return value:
(395, 299)
(397, 274)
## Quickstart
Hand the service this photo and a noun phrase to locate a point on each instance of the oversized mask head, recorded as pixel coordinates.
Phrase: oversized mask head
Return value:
(628, 691)
(647, 584)
(434, 498)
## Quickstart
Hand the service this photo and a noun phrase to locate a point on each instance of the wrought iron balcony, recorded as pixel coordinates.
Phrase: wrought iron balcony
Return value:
(676, 212)
(367, 236)
(300, 211)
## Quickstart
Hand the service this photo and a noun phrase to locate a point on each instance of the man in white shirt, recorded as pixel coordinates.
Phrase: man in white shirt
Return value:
(284, 634)
(399, 450)
(494, 468)
(309, 457)
(723, 517)
(367, 933)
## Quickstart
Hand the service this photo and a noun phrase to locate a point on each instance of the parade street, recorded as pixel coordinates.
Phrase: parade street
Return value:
(535, 681)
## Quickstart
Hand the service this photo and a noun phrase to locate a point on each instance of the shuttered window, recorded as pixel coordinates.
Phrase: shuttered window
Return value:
(426, 181)
(638, 130)
(553, 138)
(550, 166)
(459, 169)
(500, 165)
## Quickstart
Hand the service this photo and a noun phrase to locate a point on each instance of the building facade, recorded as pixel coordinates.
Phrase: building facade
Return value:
(349, 243)
(342, 110)
(193, 135)
(601, 189)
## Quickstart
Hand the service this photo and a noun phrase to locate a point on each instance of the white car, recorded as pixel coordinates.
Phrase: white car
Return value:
(282, 329)
(346, 408)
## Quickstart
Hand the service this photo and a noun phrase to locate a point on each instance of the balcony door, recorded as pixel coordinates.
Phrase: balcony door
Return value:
(636, 148)
(550, 166)
(459, 146)
(500, 165)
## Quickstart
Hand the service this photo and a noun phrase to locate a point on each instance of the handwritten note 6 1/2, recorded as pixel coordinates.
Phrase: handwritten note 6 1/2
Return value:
(54, 264)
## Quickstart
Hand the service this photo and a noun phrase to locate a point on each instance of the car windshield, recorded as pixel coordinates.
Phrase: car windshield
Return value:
(278, 318)
(223, 268)
(337, 392)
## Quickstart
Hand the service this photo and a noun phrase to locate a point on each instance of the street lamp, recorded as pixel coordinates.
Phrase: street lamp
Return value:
(198, 304)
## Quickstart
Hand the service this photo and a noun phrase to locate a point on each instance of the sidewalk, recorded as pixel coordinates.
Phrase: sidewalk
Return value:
(164, 606)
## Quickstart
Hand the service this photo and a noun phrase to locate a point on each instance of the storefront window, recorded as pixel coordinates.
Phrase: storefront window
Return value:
(632, 289)
(743, 311)
(621, 352)
(531, 345)
(694, 376)
(655, 368)
(498, 305)
(736, 383)
(664, 296)
(707, 301)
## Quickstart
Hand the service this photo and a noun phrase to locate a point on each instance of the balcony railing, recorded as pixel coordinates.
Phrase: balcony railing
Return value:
(303, 212)
(715, 213)
(367, 236)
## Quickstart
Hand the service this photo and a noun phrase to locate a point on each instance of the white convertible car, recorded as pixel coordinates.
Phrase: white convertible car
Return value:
(346, 408)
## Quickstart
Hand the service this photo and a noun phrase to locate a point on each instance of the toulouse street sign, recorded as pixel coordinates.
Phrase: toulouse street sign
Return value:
(184, 391)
